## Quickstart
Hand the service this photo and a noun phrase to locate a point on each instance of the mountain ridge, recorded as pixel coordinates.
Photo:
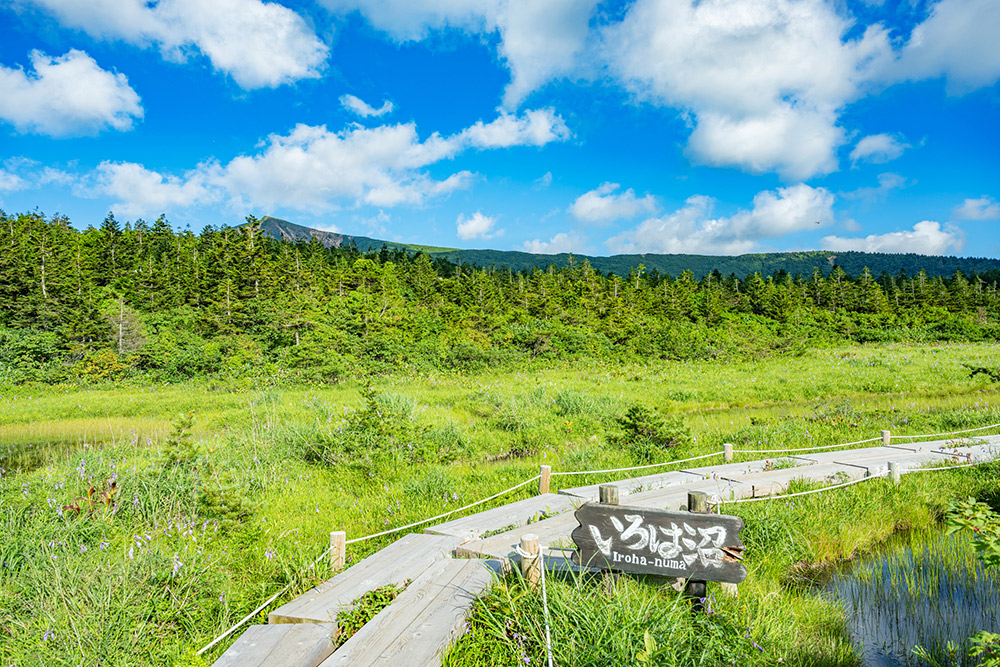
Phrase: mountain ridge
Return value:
(767, 264)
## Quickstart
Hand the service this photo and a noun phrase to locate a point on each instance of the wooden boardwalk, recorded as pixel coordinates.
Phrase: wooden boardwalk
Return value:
(453, 562)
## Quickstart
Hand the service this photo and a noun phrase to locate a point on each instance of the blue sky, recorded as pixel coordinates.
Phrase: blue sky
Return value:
(676, 126)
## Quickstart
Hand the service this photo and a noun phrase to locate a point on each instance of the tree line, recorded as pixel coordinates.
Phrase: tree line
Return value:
(143, 299)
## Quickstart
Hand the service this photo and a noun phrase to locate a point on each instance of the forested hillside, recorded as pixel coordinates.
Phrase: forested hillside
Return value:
(144, 300)
(766, 264)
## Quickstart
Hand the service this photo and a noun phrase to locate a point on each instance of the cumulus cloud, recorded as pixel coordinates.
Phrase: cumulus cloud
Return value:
(140, 191)
(11, 182)
(693, 229)
(476, 226)
(926, 238)
(957, 41)
(314, 169)
(66, 96)
(982, 208)
(360, 107)
(878, 149)
(604, 205)
(538, 41)
(887, 182)
(532, 128)
(260, 44)
(762, 79)
(560, 243)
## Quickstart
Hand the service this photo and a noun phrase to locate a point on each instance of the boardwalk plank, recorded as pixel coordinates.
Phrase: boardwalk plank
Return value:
(406, 558)
(422, 622)
(298, 645)
(513, 515)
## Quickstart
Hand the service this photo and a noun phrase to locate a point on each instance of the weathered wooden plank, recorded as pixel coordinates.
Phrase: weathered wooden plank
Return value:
(296, 645)
(406, 558)
(422, 622)
(510, 516)
(631, 485)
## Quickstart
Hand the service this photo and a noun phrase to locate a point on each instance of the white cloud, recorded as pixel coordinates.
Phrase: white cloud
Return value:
(603, 206)
(544, 181)
(560, 243)
(692, 229)
(958, 41)
(539, 41)
(763, 79)
(887, 182)
(11, 182)
(260, 44)
(476, 226)
(926, 238)
(983, 208)
(360, 107)
(878, 149)
(140, 191)
(532, 128)
(314, 169)
(66, 96)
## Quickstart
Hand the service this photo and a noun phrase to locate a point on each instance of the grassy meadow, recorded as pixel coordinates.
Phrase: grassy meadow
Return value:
(137, 522)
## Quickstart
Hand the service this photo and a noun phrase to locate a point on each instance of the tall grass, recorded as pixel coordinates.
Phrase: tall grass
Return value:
(191, 546)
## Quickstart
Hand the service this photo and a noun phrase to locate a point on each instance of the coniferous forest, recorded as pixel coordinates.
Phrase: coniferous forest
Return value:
(142, 300)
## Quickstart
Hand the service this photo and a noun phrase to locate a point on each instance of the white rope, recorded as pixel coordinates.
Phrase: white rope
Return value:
(652, 465)
(545, 600)
(964, 465)
(803, 449)
(441, 516)
(245, 619)
(938, 435)
(855, 481)
(803, 493)
(359, 539)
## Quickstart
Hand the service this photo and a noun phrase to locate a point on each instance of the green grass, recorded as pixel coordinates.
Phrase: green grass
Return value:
(193, 545)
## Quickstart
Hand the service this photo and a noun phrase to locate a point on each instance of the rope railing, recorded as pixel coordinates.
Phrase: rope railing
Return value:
(804, 449)
(938, 435)
(536, 478)
(642, 467)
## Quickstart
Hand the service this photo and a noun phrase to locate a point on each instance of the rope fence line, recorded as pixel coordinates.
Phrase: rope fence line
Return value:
(938, 435)
(536, 478)
(643, 467)
(441, 516)
(803, 449)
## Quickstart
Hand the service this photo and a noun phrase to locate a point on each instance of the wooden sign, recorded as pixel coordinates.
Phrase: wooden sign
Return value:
(663, 542)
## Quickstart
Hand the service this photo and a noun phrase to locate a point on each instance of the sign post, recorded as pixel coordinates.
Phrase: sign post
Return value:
(697, 546)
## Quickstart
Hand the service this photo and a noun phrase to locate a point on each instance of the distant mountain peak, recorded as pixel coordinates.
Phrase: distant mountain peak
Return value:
(793, 263)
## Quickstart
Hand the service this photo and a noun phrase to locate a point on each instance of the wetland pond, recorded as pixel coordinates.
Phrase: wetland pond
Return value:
(925, 589)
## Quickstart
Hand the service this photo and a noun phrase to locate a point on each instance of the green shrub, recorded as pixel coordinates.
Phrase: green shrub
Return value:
(649, 434)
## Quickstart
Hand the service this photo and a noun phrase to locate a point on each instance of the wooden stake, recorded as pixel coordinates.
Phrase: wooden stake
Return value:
(697, 589)
(727, 451)
(609, 494)
(543, 481)
(886, 437)
(338, 549)
(894, 472)
(531, 564)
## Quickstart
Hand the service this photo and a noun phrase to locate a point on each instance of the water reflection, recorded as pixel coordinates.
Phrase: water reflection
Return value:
(928, 589)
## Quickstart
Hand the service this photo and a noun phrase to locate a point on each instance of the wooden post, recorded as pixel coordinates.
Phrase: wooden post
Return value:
(727, 451)
(543, 481)
(338, 549)
(697, 589)
(894, 472)
(609, 494)
(531, 565)
(886, 437)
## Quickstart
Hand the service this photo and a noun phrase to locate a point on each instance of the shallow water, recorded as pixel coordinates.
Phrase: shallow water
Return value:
(925, 589)
(27, 456)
